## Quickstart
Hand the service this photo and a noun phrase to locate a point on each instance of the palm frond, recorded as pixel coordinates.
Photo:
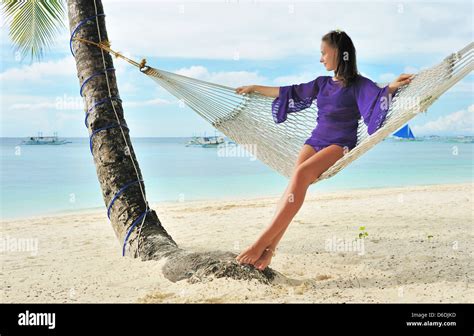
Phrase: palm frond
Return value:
(34, 24)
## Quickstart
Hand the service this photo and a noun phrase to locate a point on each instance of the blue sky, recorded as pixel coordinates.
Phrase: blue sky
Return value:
(237, 43)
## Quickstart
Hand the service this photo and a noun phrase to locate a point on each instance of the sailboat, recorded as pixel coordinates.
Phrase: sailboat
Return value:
(405, 134)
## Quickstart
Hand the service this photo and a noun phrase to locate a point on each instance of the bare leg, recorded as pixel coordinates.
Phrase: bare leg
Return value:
(306, 173)
(267, 255)
(306, 152)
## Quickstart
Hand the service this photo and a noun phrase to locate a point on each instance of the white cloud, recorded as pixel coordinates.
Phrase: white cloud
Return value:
(64, 103)
(294, 79)
(20, 104)
(222, 30)
(411, 69)
(127, 87)
(14, 122)
(41, 71)
(270, 30)
(64, 116)
(33, 106)
(45, 72)
(387, 77)
(228, 78)
(459, 122)
(259, 30)
(194, 71)
(150, 102)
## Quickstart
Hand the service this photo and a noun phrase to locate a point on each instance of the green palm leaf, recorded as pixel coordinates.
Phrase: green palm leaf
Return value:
(34, 24)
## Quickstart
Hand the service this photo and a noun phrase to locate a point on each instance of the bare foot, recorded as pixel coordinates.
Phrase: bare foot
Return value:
(264, 260)
(251, 254)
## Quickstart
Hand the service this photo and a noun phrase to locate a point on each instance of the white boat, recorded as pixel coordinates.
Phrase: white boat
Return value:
(44, 140)
(206, 141)
(462, 139)
(213, 141)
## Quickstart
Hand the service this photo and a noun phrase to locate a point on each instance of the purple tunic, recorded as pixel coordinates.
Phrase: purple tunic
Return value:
(339, 108)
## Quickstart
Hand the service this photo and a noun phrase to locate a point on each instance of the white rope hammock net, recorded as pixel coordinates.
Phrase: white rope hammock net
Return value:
(248, 121)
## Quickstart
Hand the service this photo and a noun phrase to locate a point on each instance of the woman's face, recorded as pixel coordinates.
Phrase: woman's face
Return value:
(328, 56)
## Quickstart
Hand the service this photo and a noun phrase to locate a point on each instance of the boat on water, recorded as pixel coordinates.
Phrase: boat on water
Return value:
(461, 139)
(45, 140)
(405, 134)
(206, 141)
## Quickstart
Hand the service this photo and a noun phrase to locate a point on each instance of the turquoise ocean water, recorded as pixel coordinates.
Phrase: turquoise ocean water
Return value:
(48, 179)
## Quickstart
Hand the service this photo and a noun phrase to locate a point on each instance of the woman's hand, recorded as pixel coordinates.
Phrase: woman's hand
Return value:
(269, 91)
(403, 79)
(245, 89)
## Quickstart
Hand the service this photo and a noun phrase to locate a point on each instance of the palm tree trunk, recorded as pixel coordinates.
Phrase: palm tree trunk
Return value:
(117, 166)
(112, 157)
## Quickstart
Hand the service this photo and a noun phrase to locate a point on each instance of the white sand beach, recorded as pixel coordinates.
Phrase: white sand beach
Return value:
(418, 248)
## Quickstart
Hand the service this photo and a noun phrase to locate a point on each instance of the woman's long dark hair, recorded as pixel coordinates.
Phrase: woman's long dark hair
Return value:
(346, 69)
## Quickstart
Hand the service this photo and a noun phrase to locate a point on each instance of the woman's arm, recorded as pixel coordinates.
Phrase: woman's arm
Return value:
(401, 80)
(269, 91)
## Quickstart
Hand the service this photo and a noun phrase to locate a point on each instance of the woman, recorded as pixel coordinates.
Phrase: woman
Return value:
(341, 101)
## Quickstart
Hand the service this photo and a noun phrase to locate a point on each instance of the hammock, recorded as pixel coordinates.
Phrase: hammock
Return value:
(242, 118)
(248, 120)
